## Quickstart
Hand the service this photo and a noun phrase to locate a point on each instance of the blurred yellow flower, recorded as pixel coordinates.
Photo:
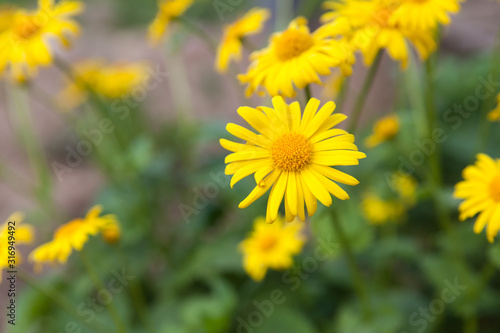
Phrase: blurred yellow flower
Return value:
(109, 80)
(168, 10)
(374, 29)
(424, 14)
(383, 130)
(25, 36)
(296, 57)
(494, 115)
(111, 232)
(231, 45)
(333, 86)
(21, 233)
(480, 190)
(271, 246)
(72, 236)
(292, 154)
(378, 211)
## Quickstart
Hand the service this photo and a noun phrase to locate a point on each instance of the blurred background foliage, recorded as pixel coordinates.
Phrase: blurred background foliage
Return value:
(188, 275)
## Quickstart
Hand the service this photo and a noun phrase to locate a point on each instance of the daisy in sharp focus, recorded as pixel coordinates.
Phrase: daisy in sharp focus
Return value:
(271, 246)
(384, 129)
(480, 190)
(168, 10)
(72, 236)
(21, 233)
(296, 58)
(25, 40)
(231, 46)
(374, 29)
(292, 155)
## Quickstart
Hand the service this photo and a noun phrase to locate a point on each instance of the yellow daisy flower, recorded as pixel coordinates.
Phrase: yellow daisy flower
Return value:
(293, 154)
(480, 190)
(271, 246)
(168, 10)
(231, 45)
(494, 115)
(296, 57)
(109, 80)
(25, 42)
(378, 211)
(424, 14)
(406, 188)
(383, 130)
(72, 236)
(374, 29)
(21, 233)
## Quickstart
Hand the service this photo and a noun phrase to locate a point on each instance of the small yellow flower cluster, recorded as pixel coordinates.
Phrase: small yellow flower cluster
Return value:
(109, 80)
(379, 211)
(73, 236)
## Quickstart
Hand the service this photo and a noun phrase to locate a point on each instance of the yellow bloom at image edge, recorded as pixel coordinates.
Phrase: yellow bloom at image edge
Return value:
(480, 190)
(292, 155)
(271, 246)
(25, 36)
(22, 233)
(73, 236)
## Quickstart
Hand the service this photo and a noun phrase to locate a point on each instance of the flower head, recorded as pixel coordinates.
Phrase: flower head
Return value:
(109, 80)
(292, 155)
(424, 14)
(296, 57)
(383, 130)
(17, 233)
(406, 188)
(168, 10)
(25, 39)
(271, 246)
(480, 190)
(231, 45)
(374, 28)
(494, 114)
(72, 236)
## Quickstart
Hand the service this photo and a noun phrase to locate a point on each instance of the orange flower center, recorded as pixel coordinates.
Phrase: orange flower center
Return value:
(292, 43)
(26, 28)
(291, 152)
(495, 188)
(387, 128)
(268, 242)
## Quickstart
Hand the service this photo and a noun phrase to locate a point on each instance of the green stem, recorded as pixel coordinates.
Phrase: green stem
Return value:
(100, 286)
(340, 99)
(359, 284)
(60, 300)
(360, 102)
